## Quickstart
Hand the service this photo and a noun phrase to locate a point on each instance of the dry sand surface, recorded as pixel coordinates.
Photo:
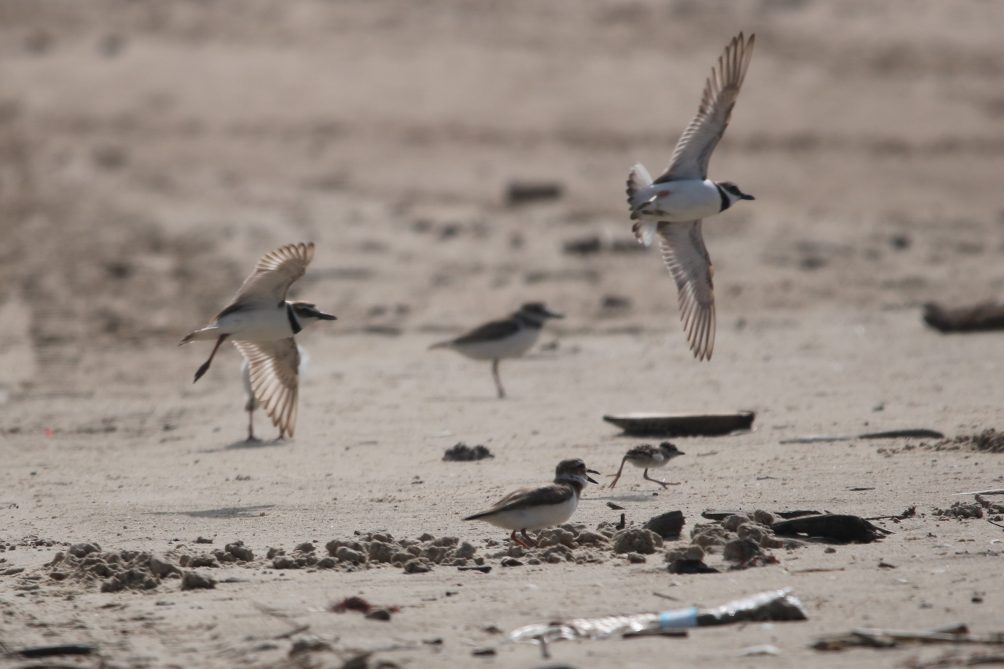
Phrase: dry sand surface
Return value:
(151, 151)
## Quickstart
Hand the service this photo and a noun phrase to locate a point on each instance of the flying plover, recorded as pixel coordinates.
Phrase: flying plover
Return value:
(648, 457)
(507, 338)
(673, 205)
(536, 508)
(262, 324)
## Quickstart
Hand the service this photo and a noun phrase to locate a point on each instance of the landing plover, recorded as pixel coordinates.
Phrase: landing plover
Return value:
(673, 205)
(251, 402)
(262, 324)
(498, 340)
(536, 508)
(648, 457)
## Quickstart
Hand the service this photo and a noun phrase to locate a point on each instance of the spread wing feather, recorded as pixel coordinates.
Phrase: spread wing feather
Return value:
(274, 373)
(684, 253)
(275, 272)
(693, 150)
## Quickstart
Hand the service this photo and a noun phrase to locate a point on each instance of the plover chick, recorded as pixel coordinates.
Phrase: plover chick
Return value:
(648, 457)
(673, 205)
(498, 340)
(262, 324)
(536, 508)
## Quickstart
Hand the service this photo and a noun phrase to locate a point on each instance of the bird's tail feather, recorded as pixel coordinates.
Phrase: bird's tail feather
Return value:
(639, 179)
(477, 516)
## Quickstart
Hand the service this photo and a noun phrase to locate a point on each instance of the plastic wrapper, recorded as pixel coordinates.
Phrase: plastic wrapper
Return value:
(774, 605)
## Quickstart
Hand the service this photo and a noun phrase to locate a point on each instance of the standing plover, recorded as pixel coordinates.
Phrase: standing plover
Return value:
(262, 324)
(251, 402)
(536, 508)
(507, 338)
(673, 205)
(648, 457)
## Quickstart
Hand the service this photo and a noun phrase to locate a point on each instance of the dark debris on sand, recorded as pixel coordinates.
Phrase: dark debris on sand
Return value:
(461, 452)
(987, 441)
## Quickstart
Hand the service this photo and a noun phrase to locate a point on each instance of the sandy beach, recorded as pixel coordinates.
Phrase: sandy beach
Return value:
(151, 153)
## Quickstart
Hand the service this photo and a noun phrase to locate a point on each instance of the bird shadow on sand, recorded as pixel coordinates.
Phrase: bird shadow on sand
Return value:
(245, 445)
(625, 497)
(469, 398)
(253, 511)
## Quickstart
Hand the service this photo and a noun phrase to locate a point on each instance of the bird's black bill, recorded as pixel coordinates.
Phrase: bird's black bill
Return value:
(326, 317)
(746, 196)
(589, 478)
(552, 314)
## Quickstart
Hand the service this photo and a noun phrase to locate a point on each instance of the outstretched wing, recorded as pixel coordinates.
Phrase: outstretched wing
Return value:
(688, 261)
(272, 276)
(274, 372)
(698, 141)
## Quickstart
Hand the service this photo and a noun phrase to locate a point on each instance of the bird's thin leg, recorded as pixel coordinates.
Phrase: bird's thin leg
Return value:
(518, 540)
(529, 542)
(498, 381)
(205, 366)
(662, 483)
(617, 476)
(251, 436)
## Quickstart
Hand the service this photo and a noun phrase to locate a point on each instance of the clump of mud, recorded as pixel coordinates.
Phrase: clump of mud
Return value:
(570, 542)
(116, 571)
(374, 549)
(742, 540)
(461, 452)
(232, 553)
(987, 441)
(994, 509)
(129, 570)
(30, 541)
(960, 511)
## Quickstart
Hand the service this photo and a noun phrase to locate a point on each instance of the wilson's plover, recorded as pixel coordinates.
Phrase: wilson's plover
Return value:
(536, 508)
(262, 324)
(673, 205)
(507, 338)
(648, 457)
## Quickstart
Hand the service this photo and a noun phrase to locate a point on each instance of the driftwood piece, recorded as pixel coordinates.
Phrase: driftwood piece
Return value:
(715, 514)
(912, 433)
(53, 651)
(682, 424)
(834, 526)
(521, 192)
(889, 638)
(974, 318)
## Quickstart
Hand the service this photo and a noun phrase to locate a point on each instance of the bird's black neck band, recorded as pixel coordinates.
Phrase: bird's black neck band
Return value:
(291, 315)
(573, 483)
(726, 202)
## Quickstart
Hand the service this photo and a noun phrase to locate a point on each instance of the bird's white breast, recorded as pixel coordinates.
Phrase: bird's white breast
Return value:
(535, 517)
(267, 324)
(678, 201)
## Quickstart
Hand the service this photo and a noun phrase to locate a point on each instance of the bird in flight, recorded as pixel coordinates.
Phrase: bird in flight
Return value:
(262, 325)
(673, 205)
